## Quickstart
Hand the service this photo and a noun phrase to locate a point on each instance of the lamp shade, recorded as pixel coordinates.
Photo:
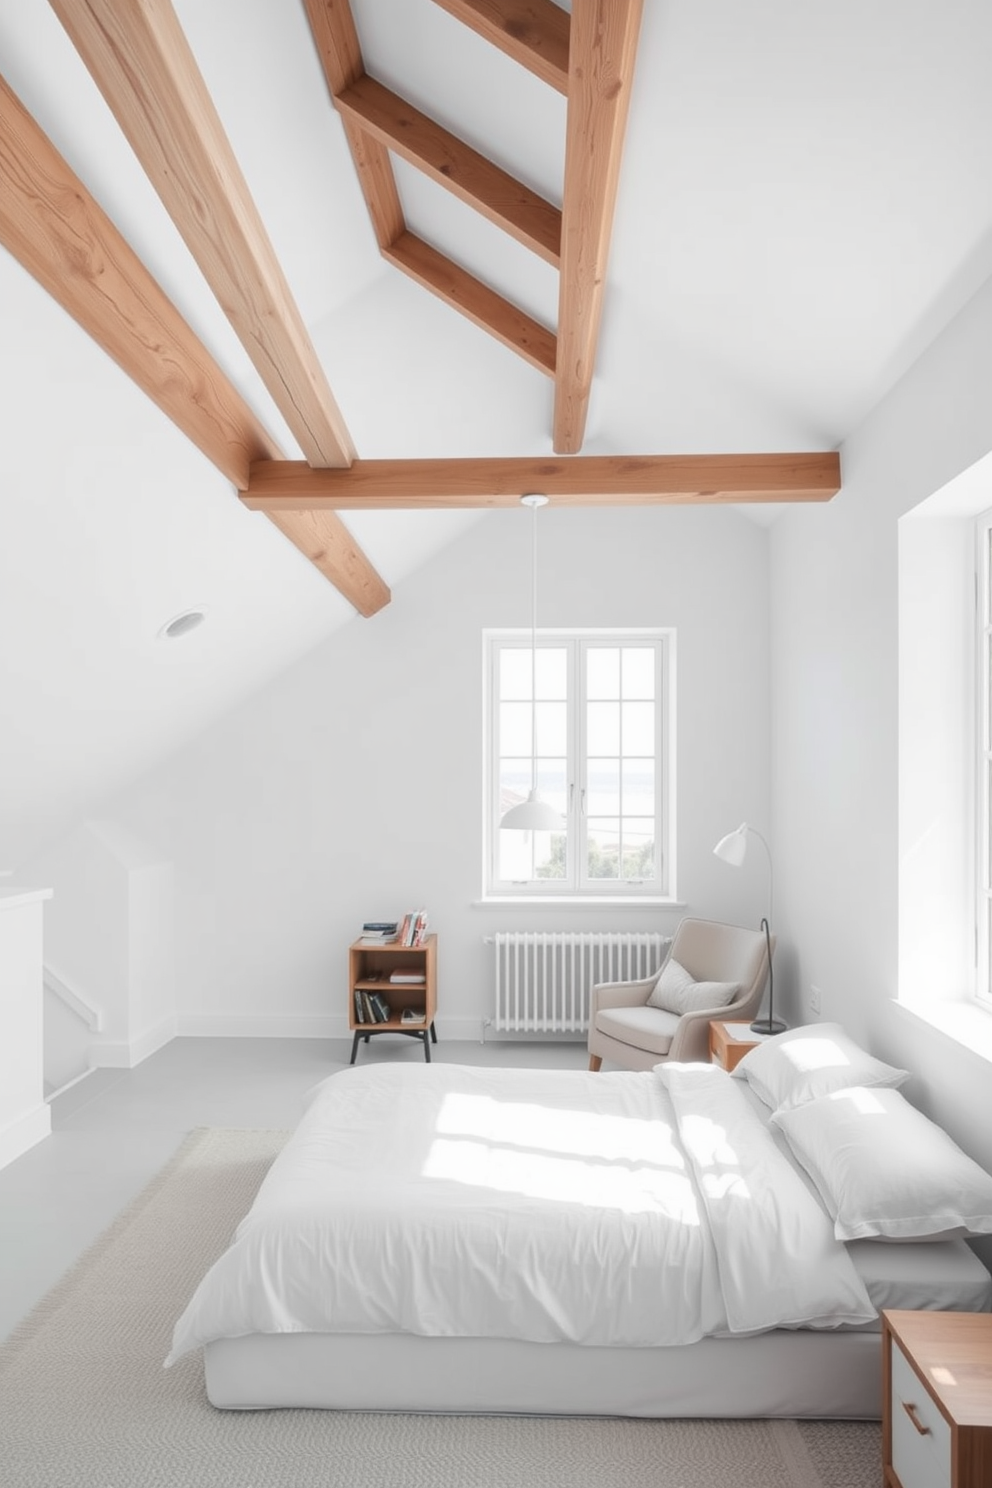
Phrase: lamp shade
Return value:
(533, 815)
(733, 847)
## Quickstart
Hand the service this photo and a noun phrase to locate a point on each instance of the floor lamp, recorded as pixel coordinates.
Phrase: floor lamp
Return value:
(733, 849)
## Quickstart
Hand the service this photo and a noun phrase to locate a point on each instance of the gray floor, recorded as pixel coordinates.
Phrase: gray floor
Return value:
(114, 1130)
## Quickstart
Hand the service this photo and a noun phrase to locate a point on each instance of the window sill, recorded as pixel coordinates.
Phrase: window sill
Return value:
(964, 1022)
(576, 901)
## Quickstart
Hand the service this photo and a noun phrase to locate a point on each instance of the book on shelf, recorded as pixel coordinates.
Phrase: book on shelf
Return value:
(380, 1007)
(407, 976)
(413, 928)
(380, 927)
(368, 1014)
(378, 937)
(413, 1015)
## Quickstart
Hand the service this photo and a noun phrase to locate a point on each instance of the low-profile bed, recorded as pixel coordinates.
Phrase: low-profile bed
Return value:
(447, 1238)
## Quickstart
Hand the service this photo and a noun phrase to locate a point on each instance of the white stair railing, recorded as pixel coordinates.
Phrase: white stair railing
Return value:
(91, 1016)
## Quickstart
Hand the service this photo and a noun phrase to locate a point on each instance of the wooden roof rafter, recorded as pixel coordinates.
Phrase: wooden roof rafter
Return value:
(140, 60)
(376, 121)
(590, 58)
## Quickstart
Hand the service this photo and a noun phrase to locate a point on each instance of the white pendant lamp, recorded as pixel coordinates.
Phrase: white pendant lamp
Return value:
(533, 815)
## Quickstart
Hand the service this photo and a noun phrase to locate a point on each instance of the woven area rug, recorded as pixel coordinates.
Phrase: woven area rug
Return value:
(85, 1402)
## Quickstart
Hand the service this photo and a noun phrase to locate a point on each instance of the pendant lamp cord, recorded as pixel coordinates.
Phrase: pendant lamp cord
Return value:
(533, 645)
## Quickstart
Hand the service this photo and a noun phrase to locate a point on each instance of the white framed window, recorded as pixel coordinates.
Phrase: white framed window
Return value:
(983, 762)
(597, 742)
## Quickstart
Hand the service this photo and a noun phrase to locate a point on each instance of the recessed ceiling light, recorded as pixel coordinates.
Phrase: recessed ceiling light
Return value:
(182, 624)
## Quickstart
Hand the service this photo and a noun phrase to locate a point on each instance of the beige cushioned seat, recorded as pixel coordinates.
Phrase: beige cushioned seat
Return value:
(647, 1027)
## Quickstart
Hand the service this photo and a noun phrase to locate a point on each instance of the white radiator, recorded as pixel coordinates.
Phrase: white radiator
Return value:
(543, 977)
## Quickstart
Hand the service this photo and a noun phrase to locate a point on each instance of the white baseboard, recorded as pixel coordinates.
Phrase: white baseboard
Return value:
(25, 1132)
(126, 1053)
(315, 1026)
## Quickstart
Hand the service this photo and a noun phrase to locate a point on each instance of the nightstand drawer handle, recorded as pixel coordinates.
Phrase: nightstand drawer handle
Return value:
(910, 1410)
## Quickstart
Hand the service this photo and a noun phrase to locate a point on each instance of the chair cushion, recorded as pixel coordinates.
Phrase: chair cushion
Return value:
(644, 1027)
(676, 991)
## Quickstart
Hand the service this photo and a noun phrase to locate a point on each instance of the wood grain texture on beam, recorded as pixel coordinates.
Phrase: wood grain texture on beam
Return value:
(64, 239)
(333, 26)
(453, 164)
(322, 537)
(139, 58)
(54, 228)
(582, 480)
(336, 39)
(601, 71)
(475, 300)
(532, 32)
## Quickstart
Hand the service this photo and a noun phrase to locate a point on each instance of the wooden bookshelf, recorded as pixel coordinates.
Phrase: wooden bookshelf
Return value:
(369, 970)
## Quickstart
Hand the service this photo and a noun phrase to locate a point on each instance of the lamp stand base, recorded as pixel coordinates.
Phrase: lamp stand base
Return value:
(768, 1025)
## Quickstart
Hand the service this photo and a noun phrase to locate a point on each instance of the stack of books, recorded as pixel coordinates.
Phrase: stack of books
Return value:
(413, 928)
(379, 932)
(371, 1007)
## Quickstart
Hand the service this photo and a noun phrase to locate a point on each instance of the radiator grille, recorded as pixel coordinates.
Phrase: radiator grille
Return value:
(544, 977)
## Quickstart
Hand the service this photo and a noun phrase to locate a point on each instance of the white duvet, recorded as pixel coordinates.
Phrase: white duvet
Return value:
(612, 1209)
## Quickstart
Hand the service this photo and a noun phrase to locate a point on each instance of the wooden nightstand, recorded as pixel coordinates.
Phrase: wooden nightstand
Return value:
(729, 1042)
(937, 1399)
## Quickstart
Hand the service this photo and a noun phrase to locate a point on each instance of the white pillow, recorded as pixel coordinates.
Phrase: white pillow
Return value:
(805, 1063)
(676, 991)
(884, 1170)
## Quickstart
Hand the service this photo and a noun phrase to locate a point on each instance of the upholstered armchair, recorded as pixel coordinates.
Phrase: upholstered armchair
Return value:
(625, 1028)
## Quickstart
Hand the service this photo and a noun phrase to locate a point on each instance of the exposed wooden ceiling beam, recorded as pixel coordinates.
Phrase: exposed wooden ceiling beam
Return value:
(532, 32)
(583, 480)
(322, 537)
(454, 165)
(54, 228)
(141, 62)
(533, 341)
(435, 150)
(603, 44)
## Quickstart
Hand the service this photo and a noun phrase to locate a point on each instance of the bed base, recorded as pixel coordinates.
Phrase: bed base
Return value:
(835, 1374)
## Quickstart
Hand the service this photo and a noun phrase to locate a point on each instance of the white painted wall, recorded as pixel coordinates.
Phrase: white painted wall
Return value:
(24, 1117)
(835, 679)
(351, 787)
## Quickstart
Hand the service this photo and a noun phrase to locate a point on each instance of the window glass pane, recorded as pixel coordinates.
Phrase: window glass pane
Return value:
(603, 672)
(515, 729)
(552, 672)
(551, 782)
(638, 787)
(514, 672)
(638, 848)
(514, 783)
(638, 728)
(603, 728)
(552, 728)
(638, 671)
(549, 855)
(603, 791)
(603, 848)
(516, 853)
